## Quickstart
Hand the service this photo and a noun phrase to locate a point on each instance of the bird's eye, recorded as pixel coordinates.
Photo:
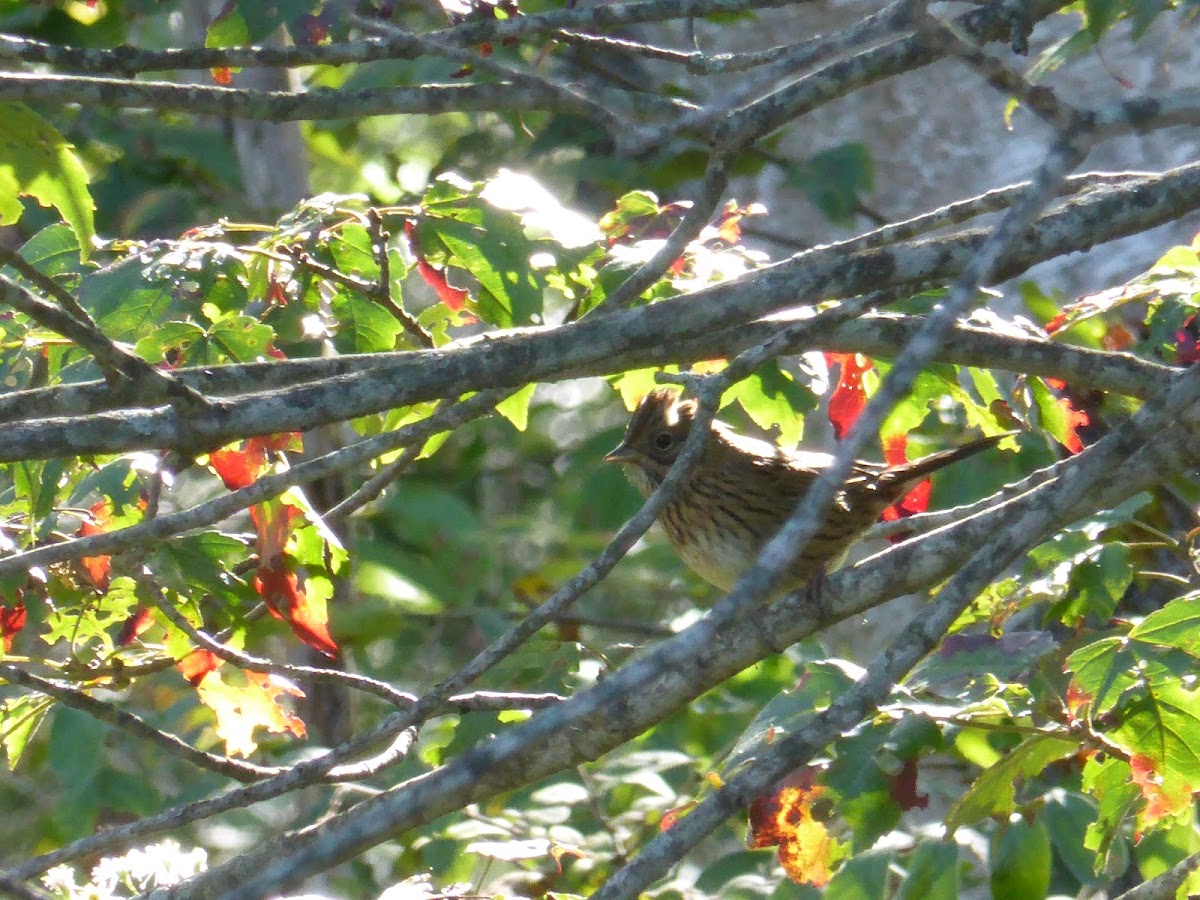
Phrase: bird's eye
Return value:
(663, 440)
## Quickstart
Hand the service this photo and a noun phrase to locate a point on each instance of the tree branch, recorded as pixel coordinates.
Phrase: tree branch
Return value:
(603, 343)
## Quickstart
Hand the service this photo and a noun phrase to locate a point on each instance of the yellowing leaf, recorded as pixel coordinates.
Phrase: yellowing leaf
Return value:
(37, 161)
(249, 700)
(516, 407)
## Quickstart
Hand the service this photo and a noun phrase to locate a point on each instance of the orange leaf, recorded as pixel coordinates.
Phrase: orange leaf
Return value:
(1076, 419)
(1162, 801)
(12, 620)
(273, 523)
(1118, 337)
(197, 664)
(237, 468)
(849, 397)
(672, 816)
(286, 600)
(1077, 699)
(1056, 323)
(246, 704)
(784, 819)
(222, 75)
(98, 568)
(134, 626)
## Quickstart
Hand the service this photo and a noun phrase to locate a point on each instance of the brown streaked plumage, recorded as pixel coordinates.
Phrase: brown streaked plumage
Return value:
(743, 489)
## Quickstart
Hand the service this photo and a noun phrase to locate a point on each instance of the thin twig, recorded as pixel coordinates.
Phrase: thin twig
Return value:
(224, 506)
(380, 292)
(73, 322)
(704, 205)
(120, 718)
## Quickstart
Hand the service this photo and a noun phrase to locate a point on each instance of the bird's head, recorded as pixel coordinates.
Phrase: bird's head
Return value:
(655, 433)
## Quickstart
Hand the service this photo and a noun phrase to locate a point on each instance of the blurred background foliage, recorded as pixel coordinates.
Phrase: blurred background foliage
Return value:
(492, 522)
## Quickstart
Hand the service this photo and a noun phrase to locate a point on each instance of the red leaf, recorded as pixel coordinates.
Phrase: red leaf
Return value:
(1056, 323)
(273, 523)
(312, 29)
(849, 397)
(454, 298)
(895, 452)
(237, 468)
(1187, 342)
(12, 620)
(1076, 419)
(222, 75)
(134, 626)
(276, 295)
(98, 568)
(1077, 699)
(286, 600)
(903, 787)
(197, 664)
(240, 468)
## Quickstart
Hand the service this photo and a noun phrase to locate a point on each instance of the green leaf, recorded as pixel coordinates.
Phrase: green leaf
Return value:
(363, 325)
(861, 778)
(773, 400)
(1099, 578)
(962, 657)
(76, 746)
(1175, 625)
(636, 384)
(1053, 57)
(202, 564)
(19, 720)
(516, 407)
(994, 792)
(125, 302)
(496, 253)
(1020, 860)
(834, 179)
(353, 253)
(863, 877)
(1052, 413)
(1100, 15)
(169, 339)
(227, 29)
(1139, 686)
(820, 683)
(37, 161)
(1068, 814)
(53, 251)
(932, 873)
(1109, 781)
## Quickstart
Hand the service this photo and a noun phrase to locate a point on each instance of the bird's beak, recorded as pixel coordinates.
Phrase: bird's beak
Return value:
(622, 453)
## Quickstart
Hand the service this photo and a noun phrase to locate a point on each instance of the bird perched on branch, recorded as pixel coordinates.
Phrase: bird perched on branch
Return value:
(743, 489)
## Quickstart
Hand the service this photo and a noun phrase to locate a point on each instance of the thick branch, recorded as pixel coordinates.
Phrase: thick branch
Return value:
(512, 360)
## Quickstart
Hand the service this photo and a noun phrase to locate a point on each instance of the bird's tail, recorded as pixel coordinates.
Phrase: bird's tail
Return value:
(918, 469)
